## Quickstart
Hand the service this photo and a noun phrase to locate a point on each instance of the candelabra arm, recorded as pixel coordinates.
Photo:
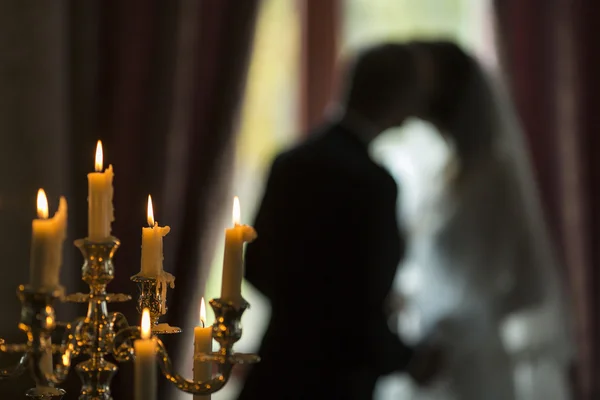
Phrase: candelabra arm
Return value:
(118, 321)
(16, 370)
(189, 386)
(69, 340)
(67, 350)
(123, 349)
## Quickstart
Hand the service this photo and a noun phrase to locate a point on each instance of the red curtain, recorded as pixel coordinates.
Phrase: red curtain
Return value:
(224, 45)
(320, 28)
(549, 50)
(159, 82)
(33, 134)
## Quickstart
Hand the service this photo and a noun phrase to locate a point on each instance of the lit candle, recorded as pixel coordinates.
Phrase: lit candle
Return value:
(100, 197)
(145, 362)
(152, 245)
(233, 262)
(46, 244)
(202, 344)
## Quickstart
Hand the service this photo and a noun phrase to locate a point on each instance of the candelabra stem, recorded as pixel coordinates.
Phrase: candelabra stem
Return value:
(97, 330)
(96, 375)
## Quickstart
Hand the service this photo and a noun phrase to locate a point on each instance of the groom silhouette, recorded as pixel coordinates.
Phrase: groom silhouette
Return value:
(329, 246)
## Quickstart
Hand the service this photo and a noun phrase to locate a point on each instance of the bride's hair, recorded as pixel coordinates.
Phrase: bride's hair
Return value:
(460, 101)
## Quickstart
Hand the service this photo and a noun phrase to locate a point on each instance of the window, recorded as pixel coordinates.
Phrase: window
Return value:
(269, 119)
(415, 153)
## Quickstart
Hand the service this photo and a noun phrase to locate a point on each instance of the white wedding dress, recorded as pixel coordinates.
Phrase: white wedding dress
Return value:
(480, 277)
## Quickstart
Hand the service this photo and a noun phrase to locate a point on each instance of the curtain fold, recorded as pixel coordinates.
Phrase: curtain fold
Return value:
(549, 51)
(33, 153)
(223, 46)
(586, 42)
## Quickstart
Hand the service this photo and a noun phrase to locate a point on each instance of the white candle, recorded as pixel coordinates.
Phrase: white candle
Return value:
(100, 197)
(46, 364)
(47, 240)
(202, 344)
(152, 245)
(145, 362)
(233, 263)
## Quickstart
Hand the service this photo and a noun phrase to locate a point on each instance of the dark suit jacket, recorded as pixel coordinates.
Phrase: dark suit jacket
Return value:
(327, 251)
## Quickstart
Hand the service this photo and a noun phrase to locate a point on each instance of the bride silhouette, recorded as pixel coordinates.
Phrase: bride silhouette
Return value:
(490, 292)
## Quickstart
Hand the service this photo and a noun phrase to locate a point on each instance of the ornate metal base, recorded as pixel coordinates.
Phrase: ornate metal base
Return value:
(45, 393)
(96, 375)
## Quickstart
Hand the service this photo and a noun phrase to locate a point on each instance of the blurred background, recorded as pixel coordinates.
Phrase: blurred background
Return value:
(193, 98)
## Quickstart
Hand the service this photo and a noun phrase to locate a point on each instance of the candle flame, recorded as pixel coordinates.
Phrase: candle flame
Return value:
(99, 157)
(236, 211)
(42, 204)
(202, 313)
(150, 212)
(66, 358)
(145, 324)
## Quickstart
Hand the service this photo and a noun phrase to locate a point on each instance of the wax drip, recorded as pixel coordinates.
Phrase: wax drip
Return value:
(248, 233)
(164, 280)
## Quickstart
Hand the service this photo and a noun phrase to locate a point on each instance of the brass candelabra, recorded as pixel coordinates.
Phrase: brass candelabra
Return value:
(101, 333)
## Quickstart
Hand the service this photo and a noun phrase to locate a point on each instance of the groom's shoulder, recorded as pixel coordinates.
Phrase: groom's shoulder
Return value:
(314, 150)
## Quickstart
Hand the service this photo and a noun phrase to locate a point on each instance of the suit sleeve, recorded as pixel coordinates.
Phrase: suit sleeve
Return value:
(388, 353)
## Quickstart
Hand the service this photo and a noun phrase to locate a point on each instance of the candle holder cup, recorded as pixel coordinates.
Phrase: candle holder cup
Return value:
(37, 321)
(153, 297)
(227, 329)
